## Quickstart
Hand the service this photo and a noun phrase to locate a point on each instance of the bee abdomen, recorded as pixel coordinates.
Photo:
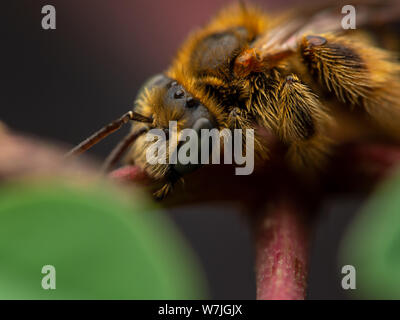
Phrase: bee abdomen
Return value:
(263, 102)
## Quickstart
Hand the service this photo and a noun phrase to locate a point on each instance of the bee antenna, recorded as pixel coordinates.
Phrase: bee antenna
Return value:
(106, 130)
(120, 149)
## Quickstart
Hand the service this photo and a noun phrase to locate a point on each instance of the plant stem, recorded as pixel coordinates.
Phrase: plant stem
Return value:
(282, 241)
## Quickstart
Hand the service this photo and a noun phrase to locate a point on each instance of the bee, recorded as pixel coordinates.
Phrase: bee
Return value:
(294, 75)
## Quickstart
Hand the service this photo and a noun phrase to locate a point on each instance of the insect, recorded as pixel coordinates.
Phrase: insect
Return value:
(294, 75)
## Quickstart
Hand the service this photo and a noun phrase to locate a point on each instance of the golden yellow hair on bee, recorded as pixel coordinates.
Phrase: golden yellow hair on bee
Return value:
(243, 67)
(292, 74)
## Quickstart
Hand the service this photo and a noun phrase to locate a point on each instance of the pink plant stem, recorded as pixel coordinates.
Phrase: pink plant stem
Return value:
(282, 243)
(129, 173)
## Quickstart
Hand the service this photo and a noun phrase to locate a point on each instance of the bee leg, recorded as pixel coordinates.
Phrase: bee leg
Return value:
(358, 74)
(171, 180)
(241, 119)
(301, 124)
(238, 119)
(161, 193)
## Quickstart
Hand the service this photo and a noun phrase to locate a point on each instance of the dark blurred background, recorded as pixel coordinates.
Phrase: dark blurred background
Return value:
(63, 84)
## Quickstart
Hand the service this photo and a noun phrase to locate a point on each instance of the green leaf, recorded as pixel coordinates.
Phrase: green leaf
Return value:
(372, 244)
(103, 245)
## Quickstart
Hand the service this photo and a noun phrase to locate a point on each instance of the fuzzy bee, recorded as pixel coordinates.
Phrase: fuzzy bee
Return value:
(299, 75)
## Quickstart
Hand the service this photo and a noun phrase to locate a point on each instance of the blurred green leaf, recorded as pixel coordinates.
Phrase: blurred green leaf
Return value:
(372, 244)
(101, 245)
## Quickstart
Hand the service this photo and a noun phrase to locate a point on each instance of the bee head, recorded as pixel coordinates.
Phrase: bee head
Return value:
(166, 100)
